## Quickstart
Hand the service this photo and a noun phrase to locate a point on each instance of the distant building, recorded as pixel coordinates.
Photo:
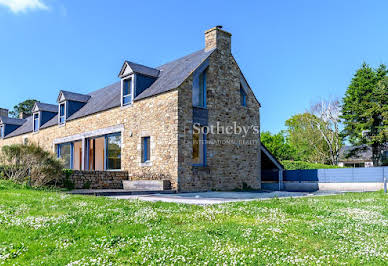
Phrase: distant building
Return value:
(361, 158)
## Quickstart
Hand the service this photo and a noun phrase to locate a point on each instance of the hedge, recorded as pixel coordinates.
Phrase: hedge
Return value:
(299, 165)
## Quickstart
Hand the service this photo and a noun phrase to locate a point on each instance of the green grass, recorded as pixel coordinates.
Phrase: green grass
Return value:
(53, 228)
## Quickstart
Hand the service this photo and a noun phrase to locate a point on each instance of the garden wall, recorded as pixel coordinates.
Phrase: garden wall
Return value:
(98, 179)
(345, 179)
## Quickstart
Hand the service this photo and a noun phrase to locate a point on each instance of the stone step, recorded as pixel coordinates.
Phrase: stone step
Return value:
(146, 185)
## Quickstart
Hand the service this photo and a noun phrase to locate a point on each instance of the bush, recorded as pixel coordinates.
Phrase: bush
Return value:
(30, 163)
(299, 165)
(67, 183)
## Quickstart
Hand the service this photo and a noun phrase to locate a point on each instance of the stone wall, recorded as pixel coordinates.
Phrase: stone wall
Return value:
(98, 179)
(233, 161)
(155, 117)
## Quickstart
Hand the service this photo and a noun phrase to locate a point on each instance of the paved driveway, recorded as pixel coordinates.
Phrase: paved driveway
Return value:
(205, 198)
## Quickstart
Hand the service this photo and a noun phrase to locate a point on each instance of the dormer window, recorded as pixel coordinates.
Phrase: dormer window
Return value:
(36, 122)
(62, 113)
(127, 91)
(2, 131)
(135, 79)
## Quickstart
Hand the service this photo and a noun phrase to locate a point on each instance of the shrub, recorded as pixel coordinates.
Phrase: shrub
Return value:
(299, 165)
(30, 163)
(67, 183)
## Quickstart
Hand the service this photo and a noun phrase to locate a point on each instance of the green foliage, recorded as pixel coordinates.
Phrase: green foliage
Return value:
(277, 144)
(365, 109)
(299, 165)
(305, 139)
(67, 182)
(30, 163)
(23, 107)
(51, 228)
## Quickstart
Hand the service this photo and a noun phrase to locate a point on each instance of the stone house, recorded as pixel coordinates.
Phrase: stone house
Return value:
(193, 122)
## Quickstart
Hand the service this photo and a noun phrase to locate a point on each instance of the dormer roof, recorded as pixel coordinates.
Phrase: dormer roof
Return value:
(72, 96)
(130, 67)
(45, 107)
(11, 121)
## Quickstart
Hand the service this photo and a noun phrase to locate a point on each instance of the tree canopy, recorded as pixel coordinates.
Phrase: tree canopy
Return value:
(365, 109)
(23, 107)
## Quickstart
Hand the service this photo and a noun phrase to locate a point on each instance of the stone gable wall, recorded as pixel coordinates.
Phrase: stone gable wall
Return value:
(233, 161)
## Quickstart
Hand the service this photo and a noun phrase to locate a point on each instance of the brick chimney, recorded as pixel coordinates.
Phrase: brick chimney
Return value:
(3, 112)
(23, 115)
(218, 38)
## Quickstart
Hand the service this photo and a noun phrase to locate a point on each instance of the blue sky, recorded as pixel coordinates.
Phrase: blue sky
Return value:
(292, 52)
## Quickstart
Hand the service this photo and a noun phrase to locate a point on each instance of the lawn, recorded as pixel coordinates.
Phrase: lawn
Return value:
(53, 228)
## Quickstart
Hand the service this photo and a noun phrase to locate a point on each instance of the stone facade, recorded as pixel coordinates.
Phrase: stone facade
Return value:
(233, 160)
(155, 117)
(98, 179)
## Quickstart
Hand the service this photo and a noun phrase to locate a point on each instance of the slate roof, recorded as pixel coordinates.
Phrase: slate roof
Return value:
(45, 107)
(171, 75)
(174, 73)
(72, 96)
(357, 153)
(361, 153)
(11, 120)
(141, 69)
(25, 128)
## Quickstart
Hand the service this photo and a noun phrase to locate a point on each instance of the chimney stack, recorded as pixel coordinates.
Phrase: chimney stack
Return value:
(3, 112)
(23, 115)
(218, 38)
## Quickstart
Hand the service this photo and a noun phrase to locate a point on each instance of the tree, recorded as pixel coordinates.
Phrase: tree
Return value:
(325, 117)
(364, 109)
(23, 107)
(277, 145)
(306, 140)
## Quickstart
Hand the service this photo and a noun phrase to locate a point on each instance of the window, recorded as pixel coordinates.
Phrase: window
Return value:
(199, 148)
(36, 122)
(199, 90)
(127, 91)
(243, 96)
(65, 152)
(62, 113)
(2, 133)
(146, 149)
(113, 152)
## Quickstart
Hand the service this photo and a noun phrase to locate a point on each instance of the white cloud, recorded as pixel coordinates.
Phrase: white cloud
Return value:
(18, 6)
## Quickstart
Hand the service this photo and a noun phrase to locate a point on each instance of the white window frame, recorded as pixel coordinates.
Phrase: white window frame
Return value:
(59, 113)
(133, 84)
(33, 121)
(2, 131)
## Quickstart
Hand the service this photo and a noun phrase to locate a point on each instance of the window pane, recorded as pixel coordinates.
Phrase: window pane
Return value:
(146, 149)
(199, 90)
(2, 132)
(65, 154)
(62, 110)
(127, 87)
(243, 97)
(127, 99)
(196, 146)
(62, 120)
(202, 89)
(36, 122)
(114, 152)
